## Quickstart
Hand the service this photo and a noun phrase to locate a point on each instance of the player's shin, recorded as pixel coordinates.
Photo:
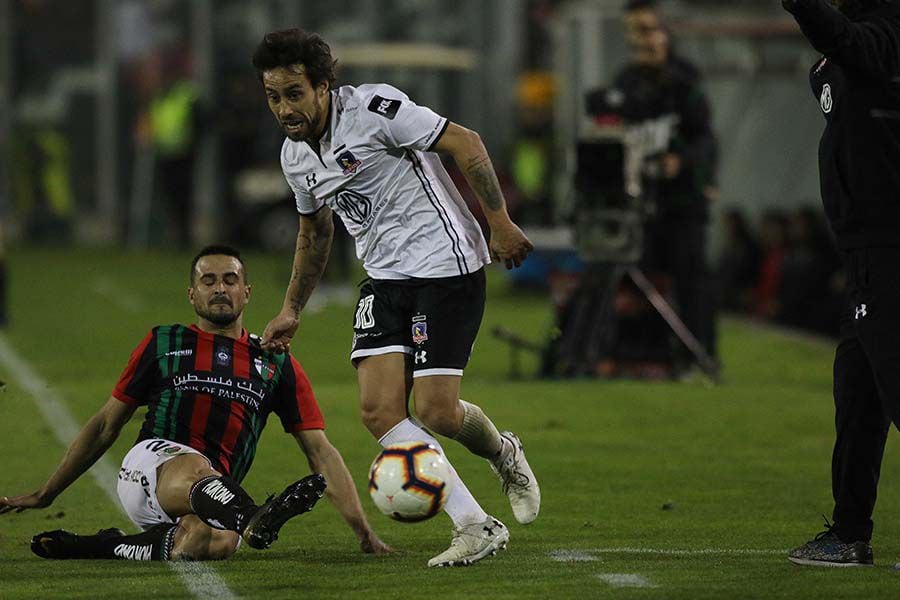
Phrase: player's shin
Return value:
(154, 544)
(221, 503)
(478, 434)
(461, 506)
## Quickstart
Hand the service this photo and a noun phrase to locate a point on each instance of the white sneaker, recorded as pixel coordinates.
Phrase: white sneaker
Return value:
(519, 482)
(473, 542)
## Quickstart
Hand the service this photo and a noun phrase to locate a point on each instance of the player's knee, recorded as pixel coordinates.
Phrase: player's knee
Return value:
(223, 545)
(379, 415)
(439, 418)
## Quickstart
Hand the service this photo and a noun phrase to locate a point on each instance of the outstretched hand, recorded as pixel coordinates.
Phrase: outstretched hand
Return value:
(21, 503)
(279, 332)
(372, 544)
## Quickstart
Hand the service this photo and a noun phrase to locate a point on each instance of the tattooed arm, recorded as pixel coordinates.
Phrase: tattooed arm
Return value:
(310, 258)
(508, 243)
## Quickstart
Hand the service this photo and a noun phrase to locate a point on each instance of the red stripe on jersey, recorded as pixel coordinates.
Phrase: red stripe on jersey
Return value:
(235, 424)
(241, 360)
(199, 417)
(128, 374)
(203, 362)
(307, 407)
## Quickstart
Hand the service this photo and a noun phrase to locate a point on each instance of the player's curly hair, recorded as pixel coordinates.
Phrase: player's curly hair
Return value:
(296, 46)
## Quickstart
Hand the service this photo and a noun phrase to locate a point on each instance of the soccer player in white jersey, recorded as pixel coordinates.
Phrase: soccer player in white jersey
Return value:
(367, 153)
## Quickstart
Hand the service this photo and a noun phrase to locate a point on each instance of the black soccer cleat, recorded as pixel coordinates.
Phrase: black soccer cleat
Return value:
(828, 550)
(61, 544)
(298, 498)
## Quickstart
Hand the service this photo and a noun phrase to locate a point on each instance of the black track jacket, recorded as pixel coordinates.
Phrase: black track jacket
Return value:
(857, 84)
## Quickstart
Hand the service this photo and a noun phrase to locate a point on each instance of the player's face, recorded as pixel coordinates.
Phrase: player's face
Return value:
(647, 38)
(219, 292)
(300, 108)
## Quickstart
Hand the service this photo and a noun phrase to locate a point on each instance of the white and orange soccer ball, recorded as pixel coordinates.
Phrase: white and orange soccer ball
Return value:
(410, 481)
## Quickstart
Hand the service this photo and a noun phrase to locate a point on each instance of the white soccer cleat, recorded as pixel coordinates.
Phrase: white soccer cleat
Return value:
(519, 482)
(473, 542)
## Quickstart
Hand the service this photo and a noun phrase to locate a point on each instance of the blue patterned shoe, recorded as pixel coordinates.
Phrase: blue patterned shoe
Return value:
(828, 550)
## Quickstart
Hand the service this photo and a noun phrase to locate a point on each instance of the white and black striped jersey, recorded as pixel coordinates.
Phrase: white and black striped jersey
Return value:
(394, 196)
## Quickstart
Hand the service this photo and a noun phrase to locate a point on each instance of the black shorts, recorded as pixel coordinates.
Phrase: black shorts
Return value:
(435, 321)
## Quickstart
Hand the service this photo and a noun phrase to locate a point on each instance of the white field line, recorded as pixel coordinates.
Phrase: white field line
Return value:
(121, 299)
(687, 552)
(199, 579)
(572, 556)
(621, 580)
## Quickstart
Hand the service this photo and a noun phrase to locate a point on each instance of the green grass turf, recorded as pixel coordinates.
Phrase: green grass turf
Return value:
(744, 465)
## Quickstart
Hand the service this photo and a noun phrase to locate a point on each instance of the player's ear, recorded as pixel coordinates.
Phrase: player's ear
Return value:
(190, 291)
(246, 294)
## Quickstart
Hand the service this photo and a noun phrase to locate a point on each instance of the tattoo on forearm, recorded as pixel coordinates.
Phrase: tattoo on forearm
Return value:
(483, 179)
(310, 258)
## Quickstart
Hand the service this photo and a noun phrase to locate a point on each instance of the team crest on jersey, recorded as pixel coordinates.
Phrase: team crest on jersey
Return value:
(420, 332)
(223, 359)
(348, 162)
(826, 100)
(266, 371)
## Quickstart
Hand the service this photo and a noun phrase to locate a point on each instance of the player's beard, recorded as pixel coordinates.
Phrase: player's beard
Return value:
(220, 318)
(312, 125)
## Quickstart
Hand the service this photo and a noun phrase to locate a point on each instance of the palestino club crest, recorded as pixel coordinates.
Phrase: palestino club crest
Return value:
(266, 371)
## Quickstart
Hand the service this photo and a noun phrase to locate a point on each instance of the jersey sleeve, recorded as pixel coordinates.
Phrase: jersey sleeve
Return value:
(295, 403)
(401, 123)
(306, 203)
(140, 374)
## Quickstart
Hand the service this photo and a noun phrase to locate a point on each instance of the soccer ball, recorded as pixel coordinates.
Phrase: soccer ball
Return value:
(410, 481)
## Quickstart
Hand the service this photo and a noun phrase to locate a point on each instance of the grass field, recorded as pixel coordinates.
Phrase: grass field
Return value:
(743, 468)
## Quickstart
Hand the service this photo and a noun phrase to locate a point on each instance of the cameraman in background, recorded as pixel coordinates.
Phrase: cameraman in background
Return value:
(668, 119)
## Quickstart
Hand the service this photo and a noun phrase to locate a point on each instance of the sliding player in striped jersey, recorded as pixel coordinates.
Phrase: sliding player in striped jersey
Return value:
(209, 389)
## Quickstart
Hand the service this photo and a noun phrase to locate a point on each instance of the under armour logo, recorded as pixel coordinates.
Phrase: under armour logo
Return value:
(311, 180)
(421, 357)
(489, 530)
(860, 311)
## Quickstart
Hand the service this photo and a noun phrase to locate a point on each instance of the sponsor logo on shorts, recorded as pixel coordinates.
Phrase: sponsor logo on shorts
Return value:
(133, 551)
(218, 492)
(421, 357)
(420, 333)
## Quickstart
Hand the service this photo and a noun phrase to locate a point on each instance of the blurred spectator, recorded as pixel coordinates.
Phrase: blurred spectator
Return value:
(168, 125)
(808, 297)
(774, 236)
(532, 152)
(739, 263)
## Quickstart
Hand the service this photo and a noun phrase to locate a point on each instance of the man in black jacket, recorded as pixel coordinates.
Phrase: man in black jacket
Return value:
(667, 112)
(857, 85)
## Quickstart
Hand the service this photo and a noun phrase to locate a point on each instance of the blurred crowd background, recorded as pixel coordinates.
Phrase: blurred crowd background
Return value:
(141, 123)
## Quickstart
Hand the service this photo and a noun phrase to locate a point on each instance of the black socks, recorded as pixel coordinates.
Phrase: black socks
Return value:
(222, 503)
(154, 544)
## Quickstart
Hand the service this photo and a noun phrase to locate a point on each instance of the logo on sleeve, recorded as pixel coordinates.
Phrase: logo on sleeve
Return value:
(384, 107)
(826, 100)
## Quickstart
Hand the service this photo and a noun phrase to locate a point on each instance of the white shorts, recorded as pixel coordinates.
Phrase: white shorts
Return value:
(137, 480)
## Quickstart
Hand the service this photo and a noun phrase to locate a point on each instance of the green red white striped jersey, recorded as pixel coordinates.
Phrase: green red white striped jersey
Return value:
(215, 393)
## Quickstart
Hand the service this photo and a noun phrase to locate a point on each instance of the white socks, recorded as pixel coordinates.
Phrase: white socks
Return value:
(461, 506)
